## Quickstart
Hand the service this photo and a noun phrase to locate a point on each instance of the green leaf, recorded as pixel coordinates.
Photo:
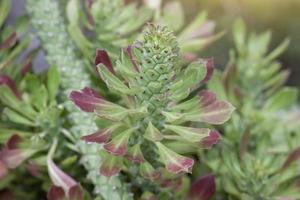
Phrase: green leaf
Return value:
(152, 133)
(284, 98)
(17, 118)
(239, 35)
(188, 133)
(83, 44)
(73, 10)
(173, 15)
(279, 50)
(115, 83)
(198, 21)
(4, 10)
(39, 98)
(215, 84)
(53, 81)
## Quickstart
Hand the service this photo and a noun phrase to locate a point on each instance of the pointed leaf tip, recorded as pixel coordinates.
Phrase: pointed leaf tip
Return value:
(212, 110)
(111, 165)
(101, 136)
(56, 193)
(6, 80)
(102, 57)
(202, 189)
(212, 139)
(118, 145)
(76, 193)
(86, 99)
(174, 162)
(135, 154)
(58, 177)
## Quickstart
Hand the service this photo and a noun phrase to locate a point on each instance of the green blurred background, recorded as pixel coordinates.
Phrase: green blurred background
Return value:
(282, 17)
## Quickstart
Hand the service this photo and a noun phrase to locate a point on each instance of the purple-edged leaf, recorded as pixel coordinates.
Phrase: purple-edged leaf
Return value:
(174, 162)
(86, 99)
(135, 154)
(147, 171)
(130, 55)
(3, 169)
(103, 58)
(58, 177)
(212, 139)
(152, 133)
(209, 69)
(118, 145)
(6, 80)
(14, 157)
(111, 165)
(294, 155)
(211, 110)
(101, 136)
(9, 42)
(13, 142)
(76, 193)
(56, 193)
(195, 135)
(202, 189)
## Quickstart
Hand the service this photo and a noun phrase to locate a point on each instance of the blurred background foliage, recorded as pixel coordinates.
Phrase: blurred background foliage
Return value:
(280, 17)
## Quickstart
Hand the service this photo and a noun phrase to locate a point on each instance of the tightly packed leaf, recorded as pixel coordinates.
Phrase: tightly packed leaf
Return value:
(156, 108)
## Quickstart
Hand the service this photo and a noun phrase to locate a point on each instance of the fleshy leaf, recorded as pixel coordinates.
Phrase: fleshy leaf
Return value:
(13, 142)
(101, 136)
(135, 154)
(174, 162)
(14, 157)
(86, 99)
(6, 80)
(202, 189)
(147, 171)
(114, 83)
(130, 55)
(76, 193)
(188, 133)
(56, 193)
(103, 58)
(111, 165)
(118, 145)
(152, 133)
(211, 110)
(212, 139)
(58, 177)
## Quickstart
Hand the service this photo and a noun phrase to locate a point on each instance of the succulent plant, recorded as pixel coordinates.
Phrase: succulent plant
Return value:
(13, 42)
(150, 125)
(46, 18)
(105, 24)
(257, 142)
(29, 122)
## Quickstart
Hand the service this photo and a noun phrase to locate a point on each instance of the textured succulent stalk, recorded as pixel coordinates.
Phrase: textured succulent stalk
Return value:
(49, 25)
